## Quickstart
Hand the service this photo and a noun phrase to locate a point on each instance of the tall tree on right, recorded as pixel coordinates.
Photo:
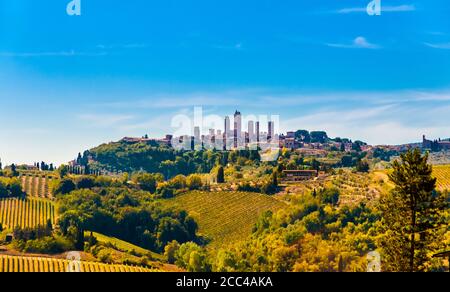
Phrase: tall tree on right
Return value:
(412, 217)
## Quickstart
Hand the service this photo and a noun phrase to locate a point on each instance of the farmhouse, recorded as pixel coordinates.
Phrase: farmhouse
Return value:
(299, 175)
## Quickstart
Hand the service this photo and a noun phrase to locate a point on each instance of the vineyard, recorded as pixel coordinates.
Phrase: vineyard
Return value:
(38, 264)
(29, 212)
(357, 187)
(353, 187)
(225, 216)
(442, 173)
(36, 185)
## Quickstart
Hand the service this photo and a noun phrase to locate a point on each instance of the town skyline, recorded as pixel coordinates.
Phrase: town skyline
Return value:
(70, 83)
(250, 139)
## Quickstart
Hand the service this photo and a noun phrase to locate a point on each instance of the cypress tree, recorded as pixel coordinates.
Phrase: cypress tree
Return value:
(220, 175)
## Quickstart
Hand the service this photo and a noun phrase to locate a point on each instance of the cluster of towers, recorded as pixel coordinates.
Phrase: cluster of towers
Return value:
(234, 137)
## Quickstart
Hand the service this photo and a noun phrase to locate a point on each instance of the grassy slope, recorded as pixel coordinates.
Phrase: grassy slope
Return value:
(225, 216)
(123, 245)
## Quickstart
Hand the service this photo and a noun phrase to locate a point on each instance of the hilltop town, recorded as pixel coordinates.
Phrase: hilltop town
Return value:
(256, 134)
(147, 204)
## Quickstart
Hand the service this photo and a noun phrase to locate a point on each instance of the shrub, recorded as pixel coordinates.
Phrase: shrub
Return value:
(194, 182)
(104, 256)
(10, 188)
(179, 182)
(46, 245)
(165, 191)
(65, 186)
(85, 183)
(329, 196)
(246, 187)
(170, 251)
(146, 181)
(193, 258)
(362, 166)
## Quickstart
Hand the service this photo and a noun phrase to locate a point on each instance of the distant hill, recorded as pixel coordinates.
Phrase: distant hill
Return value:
(153, 158)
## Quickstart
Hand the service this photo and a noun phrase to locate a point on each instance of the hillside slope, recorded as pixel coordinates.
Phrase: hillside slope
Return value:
(225, 217)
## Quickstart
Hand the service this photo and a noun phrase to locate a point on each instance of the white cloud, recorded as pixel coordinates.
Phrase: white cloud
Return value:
(179, 101)
(71, 53)
(399, 8)
(391, 124)
(236, 47)
(102, 120)
(443, 46)
(358, 43)
(122, 46)
(266, 98)
(385, 117)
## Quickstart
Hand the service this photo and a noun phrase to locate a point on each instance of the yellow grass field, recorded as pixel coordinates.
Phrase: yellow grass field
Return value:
(225, 217)
(38, 264)
(29, 212)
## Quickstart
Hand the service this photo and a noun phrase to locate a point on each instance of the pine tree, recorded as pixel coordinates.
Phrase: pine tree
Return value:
(411, 218)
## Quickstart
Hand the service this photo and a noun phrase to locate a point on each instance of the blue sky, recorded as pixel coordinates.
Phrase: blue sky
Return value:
(125, 68)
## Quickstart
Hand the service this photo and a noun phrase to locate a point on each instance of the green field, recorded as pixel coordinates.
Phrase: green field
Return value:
(225, 217)
(123, 245)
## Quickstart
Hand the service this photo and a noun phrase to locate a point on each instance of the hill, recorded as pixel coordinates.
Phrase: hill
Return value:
(225, 217)
(154, 158)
